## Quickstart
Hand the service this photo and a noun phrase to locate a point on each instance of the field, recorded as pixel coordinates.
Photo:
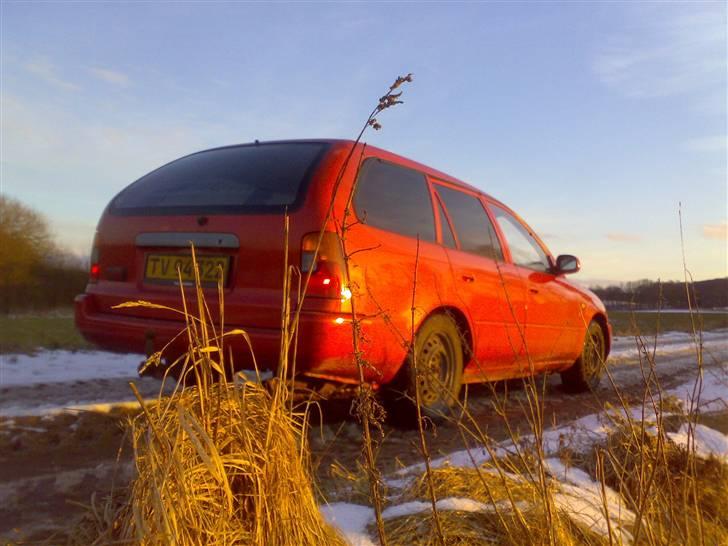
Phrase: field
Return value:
(626, 323)
(27, 333)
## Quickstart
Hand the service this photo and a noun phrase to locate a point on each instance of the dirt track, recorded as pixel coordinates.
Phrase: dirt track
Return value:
(48, 461)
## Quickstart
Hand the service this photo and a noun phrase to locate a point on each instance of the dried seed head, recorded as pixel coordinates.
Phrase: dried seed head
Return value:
(400, 80)
(387, 101)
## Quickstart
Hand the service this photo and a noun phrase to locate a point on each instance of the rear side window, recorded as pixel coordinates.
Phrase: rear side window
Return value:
(237, 178)
(525, 250)
(394, 198)
(472, 224)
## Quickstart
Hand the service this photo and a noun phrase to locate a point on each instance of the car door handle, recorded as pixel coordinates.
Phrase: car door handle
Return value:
(533, 290)
(469, 278)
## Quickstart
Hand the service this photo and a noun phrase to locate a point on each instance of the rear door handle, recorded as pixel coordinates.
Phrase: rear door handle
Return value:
(533, 290)
(469, 278)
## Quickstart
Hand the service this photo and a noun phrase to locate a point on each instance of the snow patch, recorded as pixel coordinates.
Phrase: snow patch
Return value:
(397, 483)
(65, 367)
(668, 343)
(713, 393)
(707, 442)
(351, 519)
(583, 500)
(49, 411)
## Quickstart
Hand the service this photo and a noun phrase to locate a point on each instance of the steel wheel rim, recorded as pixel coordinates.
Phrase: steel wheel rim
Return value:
(435, 368)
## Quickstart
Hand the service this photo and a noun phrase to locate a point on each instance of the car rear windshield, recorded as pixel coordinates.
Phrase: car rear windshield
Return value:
(256, 177)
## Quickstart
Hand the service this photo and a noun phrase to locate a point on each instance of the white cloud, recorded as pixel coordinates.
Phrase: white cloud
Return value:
(110, 76)
(669, 50)
(46, 71)
(624, 237)
(718, 232)
(713, 143)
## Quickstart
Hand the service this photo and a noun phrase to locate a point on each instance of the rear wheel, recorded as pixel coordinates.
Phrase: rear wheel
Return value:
(586, 372)
(436, 370)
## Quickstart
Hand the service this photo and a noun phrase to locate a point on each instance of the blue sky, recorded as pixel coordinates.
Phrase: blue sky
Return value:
(592, 120)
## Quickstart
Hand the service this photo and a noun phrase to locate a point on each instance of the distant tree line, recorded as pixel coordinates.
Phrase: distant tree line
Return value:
(645, 294)
(35, 273)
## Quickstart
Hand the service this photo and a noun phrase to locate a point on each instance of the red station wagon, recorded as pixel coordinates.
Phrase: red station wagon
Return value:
(491, 302)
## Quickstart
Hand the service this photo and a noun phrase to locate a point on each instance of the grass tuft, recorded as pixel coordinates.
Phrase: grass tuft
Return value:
(216, 463)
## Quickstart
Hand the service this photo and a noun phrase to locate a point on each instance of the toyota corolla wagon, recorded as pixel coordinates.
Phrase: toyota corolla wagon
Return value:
(490, 300)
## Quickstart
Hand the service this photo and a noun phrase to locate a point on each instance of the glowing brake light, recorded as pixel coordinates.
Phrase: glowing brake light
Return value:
(327, 269)
(95, 270)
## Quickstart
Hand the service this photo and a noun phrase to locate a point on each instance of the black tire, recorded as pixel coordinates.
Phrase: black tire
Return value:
(439, 360)
(585, 374)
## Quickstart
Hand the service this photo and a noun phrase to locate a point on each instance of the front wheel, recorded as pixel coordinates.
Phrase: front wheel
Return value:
(585, 374)
(436, 370)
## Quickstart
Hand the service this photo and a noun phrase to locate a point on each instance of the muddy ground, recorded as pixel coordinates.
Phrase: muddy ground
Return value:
(51, 465)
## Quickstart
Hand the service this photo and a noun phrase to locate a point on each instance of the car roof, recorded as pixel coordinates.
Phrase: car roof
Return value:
(386, 154)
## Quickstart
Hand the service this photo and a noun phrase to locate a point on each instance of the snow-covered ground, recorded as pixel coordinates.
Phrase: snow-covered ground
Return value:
(53, 381)
(668, 343)
(50, 381)
(66, 366)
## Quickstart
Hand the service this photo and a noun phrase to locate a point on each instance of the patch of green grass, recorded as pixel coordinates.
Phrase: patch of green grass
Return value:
(627, 323)
(28, 333)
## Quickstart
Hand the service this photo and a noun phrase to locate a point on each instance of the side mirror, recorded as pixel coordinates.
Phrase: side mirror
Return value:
(566, 263)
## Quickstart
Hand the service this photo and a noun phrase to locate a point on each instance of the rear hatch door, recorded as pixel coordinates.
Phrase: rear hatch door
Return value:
(230, 204)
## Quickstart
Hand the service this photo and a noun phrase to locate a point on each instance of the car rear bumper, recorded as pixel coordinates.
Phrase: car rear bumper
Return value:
(323, 349)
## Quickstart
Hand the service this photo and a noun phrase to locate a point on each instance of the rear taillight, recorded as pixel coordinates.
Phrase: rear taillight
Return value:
(94, 269)
(325, 281)
(328, 277)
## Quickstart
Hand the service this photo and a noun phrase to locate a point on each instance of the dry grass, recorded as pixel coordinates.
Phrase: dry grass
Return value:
(511, 512)
(481, 528)
(484, 484)
(229, 468)
(682, 498)
(217, 463)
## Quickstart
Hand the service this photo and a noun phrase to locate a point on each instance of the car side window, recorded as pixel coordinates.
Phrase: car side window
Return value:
(525, 250)
(394, 198)
(471, 223)
(448, 239)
